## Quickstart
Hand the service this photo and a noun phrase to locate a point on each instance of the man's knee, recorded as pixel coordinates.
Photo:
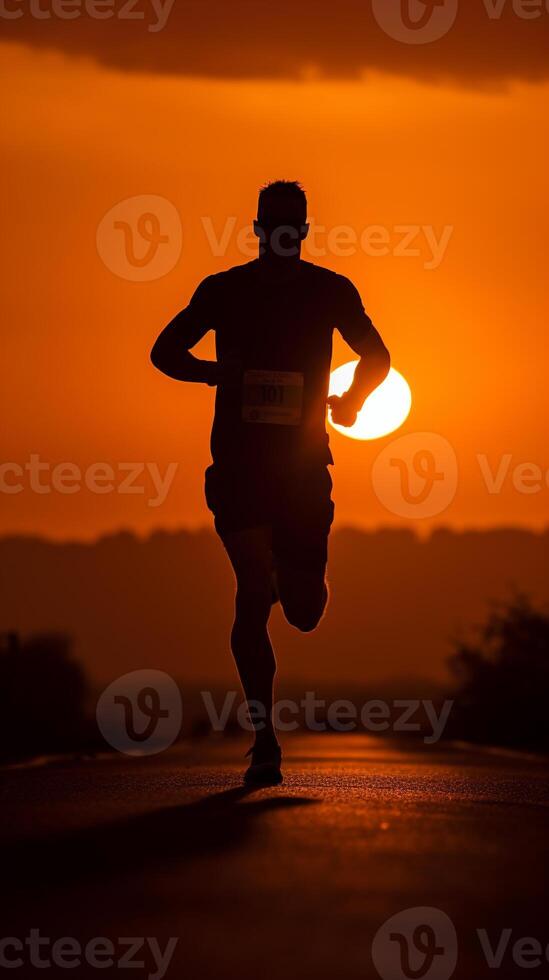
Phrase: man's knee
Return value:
(304, 620)
(253, 600)
(305, 613)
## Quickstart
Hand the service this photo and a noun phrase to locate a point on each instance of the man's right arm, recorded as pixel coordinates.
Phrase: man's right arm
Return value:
(171, 351)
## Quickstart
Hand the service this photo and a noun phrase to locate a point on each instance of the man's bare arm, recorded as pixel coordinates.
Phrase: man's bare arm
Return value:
(171, 351)
(371, 371)
(358, 330)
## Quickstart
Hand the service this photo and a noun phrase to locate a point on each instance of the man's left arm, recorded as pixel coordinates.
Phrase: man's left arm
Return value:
(358, 330)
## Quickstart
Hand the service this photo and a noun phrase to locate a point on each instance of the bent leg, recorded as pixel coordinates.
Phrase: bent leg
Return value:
(303, 595)
(300, 545)
(250, 555)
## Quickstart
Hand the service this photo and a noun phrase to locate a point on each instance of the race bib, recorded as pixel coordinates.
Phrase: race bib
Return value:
(272, 396)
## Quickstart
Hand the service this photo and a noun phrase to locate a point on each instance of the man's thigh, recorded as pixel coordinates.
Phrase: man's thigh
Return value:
(250, 554)
(301, 526)
(300, 547)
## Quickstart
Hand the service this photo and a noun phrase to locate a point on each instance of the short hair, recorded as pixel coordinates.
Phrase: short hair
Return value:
(277, 189)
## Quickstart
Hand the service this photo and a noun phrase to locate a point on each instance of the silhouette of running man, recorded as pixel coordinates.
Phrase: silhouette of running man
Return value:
(269, 487)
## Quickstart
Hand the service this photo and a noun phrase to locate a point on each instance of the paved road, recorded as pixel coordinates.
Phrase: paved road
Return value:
(290, 883)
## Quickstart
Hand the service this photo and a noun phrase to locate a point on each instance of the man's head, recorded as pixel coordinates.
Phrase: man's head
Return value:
(281, 223)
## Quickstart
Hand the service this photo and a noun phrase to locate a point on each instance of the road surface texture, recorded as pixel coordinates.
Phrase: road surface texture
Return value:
(289, 883)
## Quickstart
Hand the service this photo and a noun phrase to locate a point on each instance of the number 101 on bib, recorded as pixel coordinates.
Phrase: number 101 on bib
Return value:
(275, 397)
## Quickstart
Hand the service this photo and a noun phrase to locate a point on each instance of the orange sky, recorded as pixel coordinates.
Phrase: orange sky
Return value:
(468, 334)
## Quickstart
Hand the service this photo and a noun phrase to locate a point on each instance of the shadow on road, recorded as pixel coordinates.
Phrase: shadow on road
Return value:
(213, 824)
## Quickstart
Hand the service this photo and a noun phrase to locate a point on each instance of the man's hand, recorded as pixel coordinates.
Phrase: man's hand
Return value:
(344, 410)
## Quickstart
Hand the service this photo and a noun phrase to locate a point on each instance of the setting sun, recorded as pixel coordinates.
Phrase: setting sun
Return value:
(385, 410)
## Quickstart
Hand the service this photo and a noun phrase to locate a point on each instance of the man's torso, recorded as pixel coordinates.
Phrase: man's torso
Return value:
(281, 334)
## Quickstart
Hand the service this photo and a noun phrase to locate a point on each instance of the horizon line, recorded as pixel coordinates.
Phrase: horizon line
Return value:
(423, 536)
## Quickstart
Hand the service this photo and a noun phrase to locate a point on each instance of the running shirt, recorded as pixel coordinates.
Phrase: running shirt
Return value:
(281, 334)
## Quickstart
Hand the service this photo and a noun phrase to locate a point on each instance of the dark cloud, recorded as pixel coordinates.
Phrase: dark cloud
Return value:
(287, 38)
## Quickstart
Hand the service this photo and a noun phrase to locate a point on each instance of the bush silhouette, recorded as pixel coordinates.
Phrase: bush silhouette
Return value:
(503, 679)
(42, 696)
